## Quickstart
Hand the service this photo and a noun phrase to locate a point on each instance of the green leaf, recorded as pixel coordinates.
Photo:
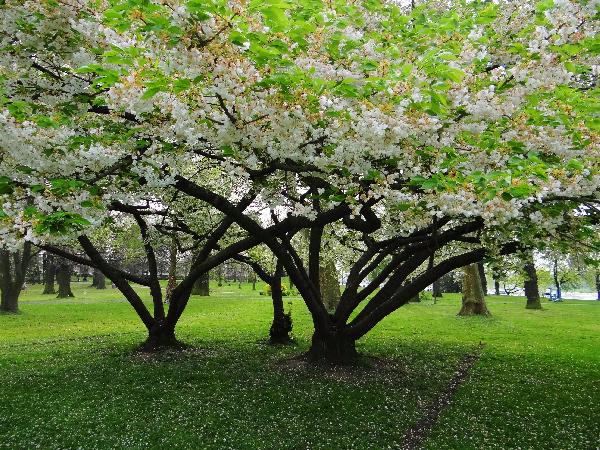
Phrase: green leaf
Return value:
(60, 223)
(575, 165)
(181, 85)
(6, 185)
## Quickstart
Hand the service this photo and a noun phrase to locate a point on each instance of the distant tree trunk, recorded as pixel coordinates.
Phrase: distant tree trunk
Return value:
(330, 285)
(220, 276)
(482, 277)
(556, 280)
(282, 322)
(201, 286)
(100, 280)
(49, 274)
(172, 280)
(253, 281)
(531, 286)
(437, 289)
(13, 270)
(598, 284)
(473, 301)
(63, 278)
(496, 286)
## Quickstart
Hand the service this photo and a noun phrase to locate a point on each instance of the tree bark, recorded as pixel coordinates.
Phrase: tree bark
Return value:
(496, 286)
(330, 285)
(282, 322)
(532, 292)
(9, 300)
(437, 289)
(49, 274)
(598, 284)
(335, 348)
(13, 270)
(172, 280)
(201, 286)
(556, 280)
(483, 278)
(99, 280)
(473, 301)
(220, 275)
(63, 278)
(159, 338)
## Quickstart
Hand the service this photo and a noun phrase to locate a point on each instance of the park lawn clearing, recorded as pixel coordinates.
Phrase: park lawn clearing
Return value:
(71, 378)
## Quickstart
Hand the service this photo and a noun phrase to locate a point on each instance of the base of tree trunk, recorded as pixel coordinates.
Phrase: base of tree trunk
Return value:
(161, 340)
(474, 309)
(533, 304)
(334, 349)
(49, 291)
(9, 303)
(280, 331)
(65, 295)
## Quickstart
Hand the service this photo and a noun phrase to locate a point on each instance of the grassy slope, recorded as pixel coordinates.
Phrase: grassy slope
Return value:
(69, 380)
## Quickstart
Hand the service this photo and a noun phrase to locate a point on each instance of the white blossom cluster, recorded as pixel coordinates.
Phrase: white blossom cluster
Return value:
(373, 108)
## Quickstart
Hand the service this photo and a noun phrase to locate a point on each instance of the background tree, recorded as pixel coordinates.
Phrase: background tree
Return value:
(532, 292)
(98, 279)
(49, 274)
(201, 286)
(64, 271)
(473, 300)
(13, 269)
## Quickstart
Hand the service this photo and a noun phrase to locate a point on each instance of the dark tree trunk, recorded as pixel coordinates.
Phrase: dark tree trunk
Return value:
(13, 270)
(483, 278)
(49, 275)
(330, 285)
(437, 289)
(172, 280)
(99, 280)
(253, 281)
(473, 301)
(95, 278)
(63, 278)
(9, 300)
(282, 322)
(160, 338)
(532, 292)
(201, 286)
(598, 284)
(496, 286)
(335, 348)
(556, 280)
(220, 276)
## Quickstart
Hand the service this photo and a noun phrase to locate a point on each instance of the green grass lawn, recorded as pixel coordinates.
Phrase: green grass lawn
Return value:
(69, 378)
